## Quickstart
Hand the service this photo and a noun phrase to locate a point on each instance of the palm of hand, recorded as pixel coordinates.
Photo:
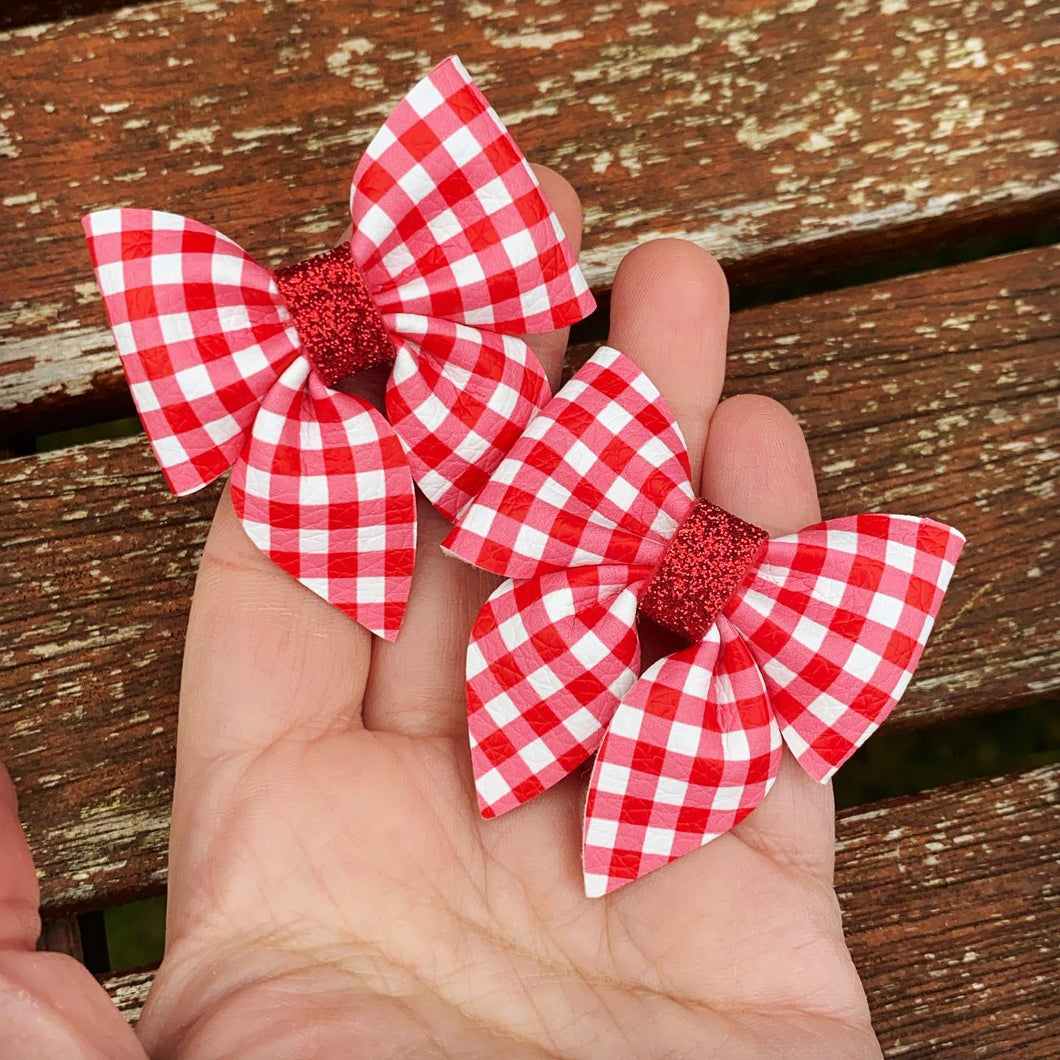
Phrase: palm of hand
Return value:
(333, 891)
(374, 915)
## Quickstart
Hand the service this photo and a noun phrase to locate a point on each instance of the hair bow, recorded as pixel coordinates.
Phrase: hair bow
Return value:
(454, 252)
(810, 638)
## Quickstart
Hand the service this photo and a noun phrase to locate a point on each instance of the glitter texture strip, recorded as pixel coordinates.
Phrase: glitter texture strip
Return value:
(335, 316)
(704, 565)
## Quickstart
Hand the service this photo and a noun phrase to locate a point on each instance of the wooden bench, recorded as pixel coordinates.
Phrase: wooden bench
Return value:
(879, 180)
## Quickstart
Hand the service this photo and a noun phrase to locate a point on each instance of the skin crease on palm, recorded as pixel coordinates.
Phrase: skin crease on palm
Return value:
(333, 891)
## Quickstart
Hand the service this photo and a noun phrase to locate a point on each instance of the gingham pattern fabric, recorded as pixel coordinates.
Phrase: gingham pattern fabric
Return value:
(548, 658)
(600, 475)
(837, 617)
(454, 239)
(458, 400)
(460, 252)
(325, 492)
(815, 647)
(202, 332)
(691, 750)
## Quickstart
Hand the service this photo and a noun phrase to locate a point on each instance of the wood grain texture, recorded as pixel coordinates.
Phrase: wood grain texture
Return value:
(104, 561)
(128, 990)
(950, 908)
(786, 135)
(935, 394)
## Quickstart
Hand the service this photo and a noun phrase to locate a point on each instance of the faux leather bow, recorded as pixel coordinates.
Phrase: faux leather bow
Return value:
(809, 638)
(454, 252)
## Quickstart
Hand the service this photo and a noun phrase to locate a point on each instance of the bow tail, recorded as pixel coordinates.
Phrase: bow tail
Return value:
(202, 332)
(548, 661)
(691, 750)
(837, 617)
(323, 489)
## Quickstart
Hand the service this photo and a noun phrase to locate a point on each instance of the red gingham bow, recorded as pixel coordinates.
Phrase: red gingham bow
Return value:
(454, 253)
(818, 637)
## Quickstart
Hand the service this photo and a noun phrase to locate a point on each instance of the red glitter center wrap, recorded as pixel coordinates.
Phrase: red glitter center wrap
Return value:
(701, 568)
(339, 324)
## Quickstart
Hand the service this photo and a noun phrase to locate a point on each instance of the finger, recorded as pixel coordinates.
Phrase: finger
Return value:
(758, 467)
(670, 314)
(265, 658)
(417, 684)
(19, 893)
(51, 1006)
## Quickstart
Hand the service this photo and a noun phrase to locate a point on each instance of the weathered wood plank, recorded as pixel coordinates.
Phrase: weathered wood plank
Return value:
(90, 665)
(129, 990)
(786, 135)
(32, 12)
(950, 910)
(935, 394)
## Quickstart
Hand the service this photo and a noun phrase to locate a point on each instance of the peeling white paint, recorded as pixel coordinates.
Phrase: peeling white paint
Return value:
(340, 61)
(531, 40)
(202, 136)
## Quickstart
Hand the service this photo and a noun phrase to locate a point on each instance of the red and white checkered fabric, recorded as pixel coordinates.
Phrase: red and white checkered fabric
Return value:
(691, 750)
(600, 476)
(548, 660)
(460, 253)
(322, 488)
(815, 647)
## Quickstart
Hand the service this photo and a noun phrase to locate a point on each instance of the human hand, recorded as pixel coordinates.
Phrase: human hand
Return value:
(332, 889)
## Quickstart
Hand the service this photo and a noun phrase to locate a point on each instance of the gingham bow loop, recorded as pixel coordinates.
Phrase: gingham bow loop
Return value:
(454, 252)
(815, 643)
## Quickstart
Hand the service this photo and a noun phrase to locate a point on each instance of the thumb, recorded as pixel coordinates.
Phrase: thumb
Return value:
(19, 892)
(50, 1006)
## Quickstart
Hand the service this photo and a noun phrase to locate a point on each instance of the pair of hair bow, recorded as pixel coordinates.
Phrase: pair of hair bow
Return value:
(454, 252)
(808, 639)
(584, 502)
